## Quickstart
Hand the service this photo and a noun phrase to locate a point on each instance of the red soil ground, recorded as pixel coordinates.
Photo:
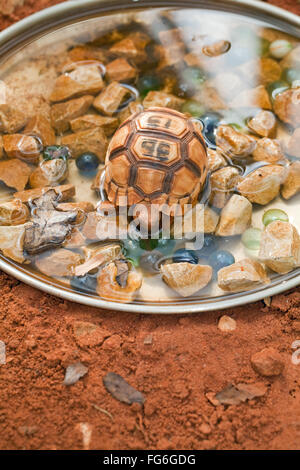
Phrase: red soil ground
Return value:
(188, 359)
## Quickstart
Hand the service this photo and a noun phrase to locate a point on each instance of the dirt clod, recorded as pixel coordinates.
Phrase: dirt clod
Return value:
(267, 362)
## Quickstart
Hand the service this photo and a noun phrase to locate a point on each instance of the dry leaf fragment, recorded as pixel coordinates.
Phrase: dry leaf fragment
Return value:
(234, 395)
(121, 390)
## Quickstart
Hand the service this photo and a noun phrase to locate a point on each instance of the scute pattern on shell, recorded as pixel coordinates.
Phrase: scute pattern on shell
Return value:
(157, 156)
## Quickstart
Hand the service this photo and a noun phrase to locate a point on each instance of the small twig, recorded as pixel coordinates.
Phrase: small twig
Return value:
(103, 411)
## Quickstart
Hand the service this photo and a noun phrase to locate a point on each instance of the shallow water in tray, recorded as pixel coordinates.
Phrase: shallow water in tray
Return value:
(62, 98)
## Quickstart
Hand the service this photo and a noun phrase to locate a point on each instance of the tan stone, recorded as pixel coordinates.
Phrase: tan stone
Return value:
(98, 257)
(120, 70)
(162, 99)
(90, 227)
(66, 192)
(186, 278)
(293, 146)
(88, 53)
(280, 247)
(88, 121)
(255, 97)
(75, 239)
(223, 182)
(12, 242)
(171, 55)
(171, 37)
(267, 362)
(291, 184)
(234, 143)
(83, 80)
(133, 107)
(200, 219)
(29, 86)
(268, 150)
(263, 124)
(60, 263)
(85, 206)
(111, 98)
(14, 173)
(49, 173)
(40, 126)
(287, 106)
(235, 217)
(173, 47)
(11, 119)
(63, 113)
(215, 160)
(132, 47)
(21, 146)
(13, 213)
(211, 219)
(109, 289)
(92, 140)
(261, 186)
(244, 275)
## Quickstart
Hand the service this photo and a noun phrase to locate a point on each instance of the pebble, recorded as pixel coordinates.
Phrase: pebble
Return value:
(267, 362)
(74, 372)
(226, 323)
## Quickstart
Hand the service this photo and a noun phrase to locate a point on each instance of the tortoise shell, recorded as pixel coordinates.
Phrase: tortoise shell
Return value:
(156, 156)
